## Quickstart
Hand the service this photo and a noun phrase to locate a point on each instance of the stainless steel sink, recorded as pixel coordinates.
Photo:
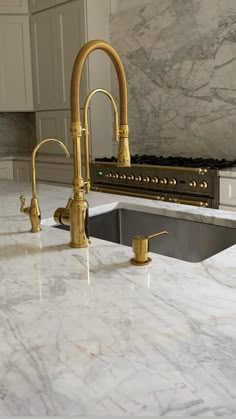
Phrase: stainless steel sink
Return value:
(187, 240)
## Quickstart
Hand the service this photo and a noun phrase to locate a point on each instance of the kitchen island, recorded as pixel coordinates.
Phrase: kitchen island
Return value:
(84, 332)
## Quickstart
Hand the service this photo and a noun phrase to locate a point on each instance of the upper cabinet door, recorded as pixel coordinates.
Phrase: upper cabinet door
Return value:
(71, 37)
(15, 64)
(45, 52)
(57, 36)
(37, 5)
(13, 6)
(61, 1)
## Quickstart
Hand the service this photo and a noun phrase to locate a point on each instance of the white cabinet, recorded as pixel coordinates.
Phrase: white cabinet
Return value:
(54, 172)
(57, 35)
(228, 192)
(22, 170)
(13, 6)
(37, 5)
(45, 51)
(54, 124)
(15, 64)
(6, 169)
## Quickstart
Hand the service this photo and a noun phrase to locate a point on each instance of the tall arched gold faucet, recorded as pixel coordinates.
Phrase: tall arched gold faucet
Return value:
(78, 207)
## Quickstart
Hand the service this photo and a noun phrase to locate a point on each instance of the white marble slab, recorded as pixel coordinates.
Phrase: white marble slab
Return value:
(83, 332)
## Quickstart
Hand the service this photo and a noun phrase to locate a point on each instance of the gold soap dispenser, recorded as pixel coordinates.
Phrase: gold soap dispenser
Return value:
(141, 248)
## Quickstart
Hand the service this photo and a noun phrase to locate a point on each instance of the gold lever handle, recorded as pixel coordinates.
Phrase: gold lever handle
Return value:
(140, 248)
(22, 204)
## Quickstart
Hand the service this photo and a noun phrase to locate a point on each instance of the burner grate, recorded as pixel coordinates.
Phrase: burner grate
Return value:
(175, 161)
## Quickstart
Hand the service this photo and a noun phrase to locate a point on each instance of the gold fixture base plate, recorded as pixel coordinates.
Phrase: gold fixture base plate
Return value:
(134, 262)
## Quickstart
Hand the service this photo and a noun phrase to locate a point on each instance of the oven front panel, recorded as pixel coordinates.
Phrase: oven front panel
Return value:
(188, 185)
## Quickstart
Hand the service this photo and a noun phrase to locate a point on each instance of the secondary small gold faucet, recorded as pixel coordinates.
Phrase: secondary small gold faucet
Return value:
(77, 207)
(33, 211)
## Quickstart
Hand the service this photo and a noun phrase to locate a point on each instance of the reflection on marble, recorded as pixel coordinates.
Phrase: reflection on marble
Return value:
(180, 61)
(17, 132)
(84, 332)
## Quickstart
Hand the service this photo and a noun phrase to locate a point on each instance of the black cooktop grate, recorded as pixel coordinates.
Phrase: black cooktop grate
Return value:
(175, 161)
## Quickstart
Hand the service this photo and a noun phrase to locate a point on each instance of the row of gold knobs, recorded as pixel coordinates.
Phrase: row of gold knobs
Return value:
(139, 178)
(203, 184)
(155, 179)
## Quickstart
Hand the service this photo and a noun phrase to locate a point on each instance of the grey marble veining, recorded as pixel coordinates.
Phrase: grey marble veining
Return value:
(17, 132)
(180, 61)
(84, 332)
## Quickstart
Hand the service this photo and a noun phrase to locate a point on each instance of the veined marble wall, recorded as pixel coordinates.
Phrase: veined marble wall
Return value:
(180, 62)
(17, 132)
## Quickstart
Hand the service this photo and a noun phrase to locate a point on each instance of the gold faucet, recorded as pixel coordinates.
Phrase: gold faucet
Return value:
(86, 131)
(77, 207)
(140, 249)
(33, 211)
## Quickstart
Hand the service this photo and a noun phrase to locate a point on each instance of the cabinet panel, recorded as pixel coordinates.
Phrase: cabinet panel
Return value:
(57, 36)
(15, 64)
(61, 1)
(227, 208)
(45, 61)
(6, 169)
(48, 125)
(22, 171)
(71, 36)
(228, 191)
(37, 5)
(13, 6)
(54, 173)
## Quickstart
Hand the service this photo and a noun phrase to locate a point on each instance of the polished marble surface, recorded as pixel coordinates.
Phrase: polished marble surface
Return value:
(179, 58)
(83, 332)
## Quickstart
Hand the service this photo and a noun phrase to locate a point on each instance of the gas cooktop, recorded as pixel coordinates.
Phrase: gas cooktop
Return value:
(175, 161)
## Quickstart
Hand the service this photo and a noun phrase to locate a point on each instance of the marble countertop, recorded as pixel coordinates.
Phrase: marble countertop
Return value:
(84, 332)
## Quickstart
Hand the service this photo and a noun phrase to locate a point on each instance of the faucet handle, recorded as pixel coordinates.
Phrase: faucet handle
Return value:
(33, 212)
(22, 205)
(140, 248)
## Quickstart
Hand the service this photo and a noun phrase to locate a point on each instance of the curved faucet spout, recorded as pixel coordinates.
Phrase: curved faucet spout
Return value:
(86, 130)
(76, 78)
(33, 160)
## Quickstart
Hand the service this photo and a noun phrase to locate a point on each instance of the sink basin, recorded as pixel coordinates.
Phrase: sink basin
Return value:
(191, 241)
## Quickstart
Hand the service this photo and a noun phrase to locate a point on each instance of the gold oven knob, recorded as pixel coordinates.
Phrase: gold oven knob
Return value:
(164, 181)
(115, 176)
(138, 178)
(108, 175)
(130, 177)
(173, 182)
(146, 179)
(192, 183)
(123, 176)
(155, 179)
(203, 184)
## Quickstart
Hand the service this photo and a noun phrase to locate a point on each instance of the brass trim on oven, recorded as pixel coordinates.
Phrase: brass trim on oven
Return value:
(117, 191)
(199, 170)
(188, 202)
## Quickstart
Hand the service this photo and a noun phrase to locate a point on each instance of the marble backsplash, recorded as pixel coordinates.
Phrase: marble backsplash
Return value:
(17, 132)
(180, 62)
